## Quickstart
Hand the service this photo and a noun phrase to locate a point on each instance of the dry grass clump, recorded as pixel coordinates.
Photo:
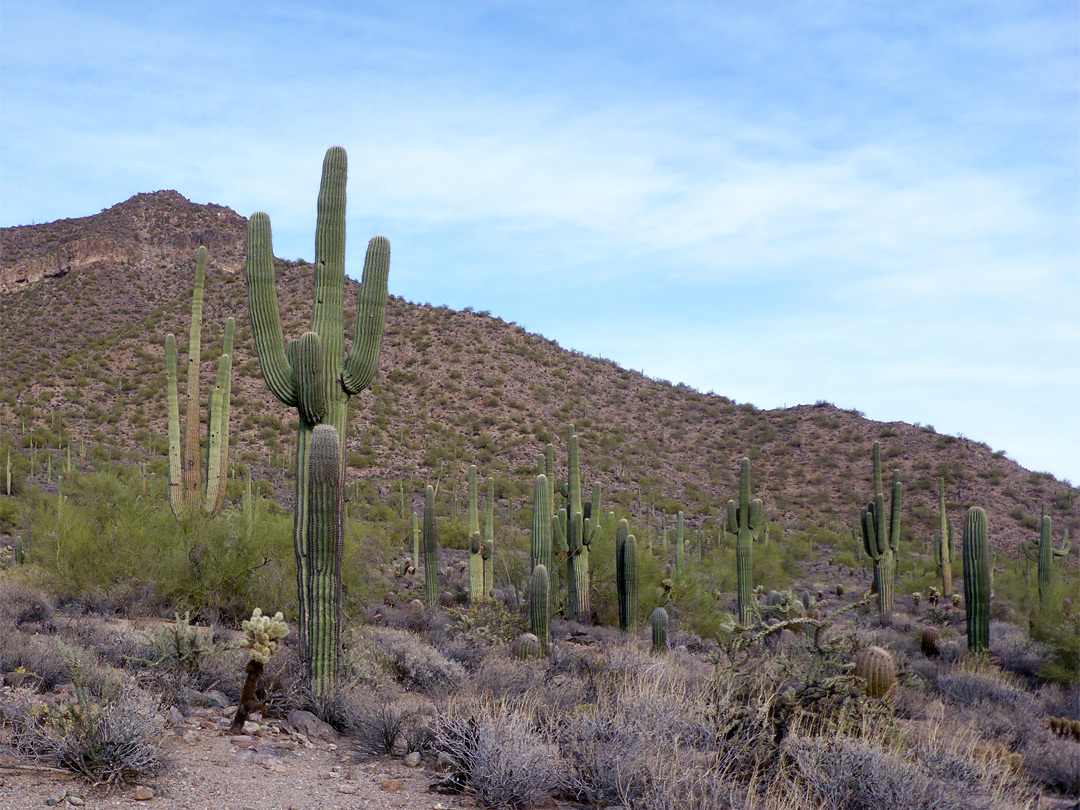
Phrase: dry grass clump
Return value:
(409, 659)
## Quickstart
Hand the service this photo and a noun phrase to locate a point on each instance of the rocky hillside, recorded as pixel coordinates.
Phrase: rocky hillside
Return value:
(86, 303)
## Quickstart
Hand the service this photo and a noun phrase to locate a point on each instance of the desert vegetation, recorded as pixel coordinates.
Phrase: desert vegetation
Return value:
(544, 604)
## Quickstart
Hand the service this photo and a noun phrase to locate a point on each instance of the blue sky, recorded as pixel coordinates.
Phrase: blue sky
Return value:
(874, 204)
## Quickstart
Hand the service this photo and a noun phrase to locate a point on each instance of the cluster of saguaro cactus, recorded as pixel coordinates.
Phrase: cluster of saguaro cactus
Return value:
(626, 577)
(187, 493)
(745, 521)
(881, 538)
(314, 373)
(1044, 553)
(431, 550)
(944, 546)
(977, 565)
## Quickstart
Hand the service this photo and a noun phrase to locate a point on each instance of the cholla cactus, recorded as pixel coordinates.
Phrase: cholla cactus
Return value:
(263, 634)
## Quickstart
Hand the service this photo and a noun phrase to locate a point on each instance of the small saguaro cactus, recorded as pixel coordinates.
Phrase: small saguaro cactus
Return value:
(187, 492)
(745, 521)
(314, 373)
(880, 538)
(20, 554)
(680, 548)
(977, 579)
(626, 552)
(944, 547)
(659, 630)
(1044, 553)
(431, 550)
(540, 604)
(877, 668)
(476, 550)
(488, 549)
(415, 541)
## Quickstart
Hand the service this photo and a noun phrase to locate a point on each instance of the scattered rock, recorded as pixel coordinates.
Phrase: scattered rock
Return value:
(412, 760)
(444, 762)
(310, 726)
(143, 793)
(346, 788)
(76, 801)
(391, 786)
(217, 700)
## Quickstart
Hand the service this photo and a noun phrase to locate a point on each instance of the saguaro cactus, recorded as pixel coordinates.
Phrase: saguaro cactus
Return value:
(187, 493)
(659, 630)
(581, 523)
(626, 577)
(680, 548)
(314, 373)
(488, 548)
(1044, 553)
(431, 550)
(541, 527)
(322, 558)
(745, 522)
(476, 549)
(977, 579)
(881, 539)
(944, 547)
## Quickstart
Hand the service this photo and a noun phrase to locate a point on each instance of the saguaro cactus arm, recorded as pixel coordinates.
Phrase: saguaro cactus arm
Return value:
(263, 311)
(363, 359)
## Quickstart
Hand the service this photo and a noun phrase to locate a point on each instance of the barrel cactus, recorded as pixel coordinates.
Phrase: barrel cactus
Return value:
(314, 373)
(659, 630)
(188, 493)
(877, 668)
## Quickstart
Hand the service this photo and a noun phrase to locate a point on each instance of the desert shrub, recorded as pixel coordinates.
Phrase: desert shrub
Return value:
(22, 604)
(110, 734)
(409, 659)
(497, 753)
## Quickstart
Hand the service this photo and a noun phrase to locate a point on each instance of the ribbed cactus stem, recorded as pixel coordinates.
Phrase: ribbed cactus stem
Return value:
(415, 541)
(977, 564)
(325, 535)
(628, 581)
(187, 493)
(476, 550)
(579, 533)
(314, 374)
(881, 538)
(622, 531)
(20, 554)
(540, 604)
(745, 521)
(659, 630)
(431, 550)
(943, 546)
(541, 526)
(680, 549)
(488, 551)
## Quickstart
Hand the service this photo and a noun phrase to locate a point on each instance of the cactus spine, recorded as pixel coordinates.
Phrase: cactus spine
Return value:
(540, 605)
(659, 630)
(944, 547)
(431, 550)
(1044, 552)
(977, 579)
(187, 494)
(881, 539)
(745, 522)
(314, 373)
(476, 550)
(488, 550)
(325, 535)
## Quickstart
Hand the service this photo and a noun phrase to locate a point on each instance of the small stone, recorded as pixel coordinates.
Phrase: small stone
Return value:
(412, 760)
(445, 762)
(217, 700)
(251, 728)
(392, 786)
(346, 788)
(76, 801)
(143, 793)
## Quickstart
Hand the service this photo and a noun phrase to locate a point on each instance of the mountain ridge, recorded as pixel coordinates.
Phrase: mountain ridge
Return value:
(90, 300)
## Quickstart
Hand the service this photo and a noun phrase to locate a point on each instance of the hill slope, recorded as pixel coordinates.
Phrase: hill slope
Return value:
(86, 303)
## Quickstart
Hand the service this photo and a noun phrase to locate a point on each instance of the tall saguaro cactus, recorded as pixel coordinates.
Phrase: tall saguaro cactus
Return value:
(626, 577)
(581, 523)
(488, 548)
(944, 547)
(476, 546)
(745, 521)
(314, 373)
(1044, 554)
(541, 527)
(977, 562)
(880, 538)
(431, 550)
(680, 549)
(187, 493)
